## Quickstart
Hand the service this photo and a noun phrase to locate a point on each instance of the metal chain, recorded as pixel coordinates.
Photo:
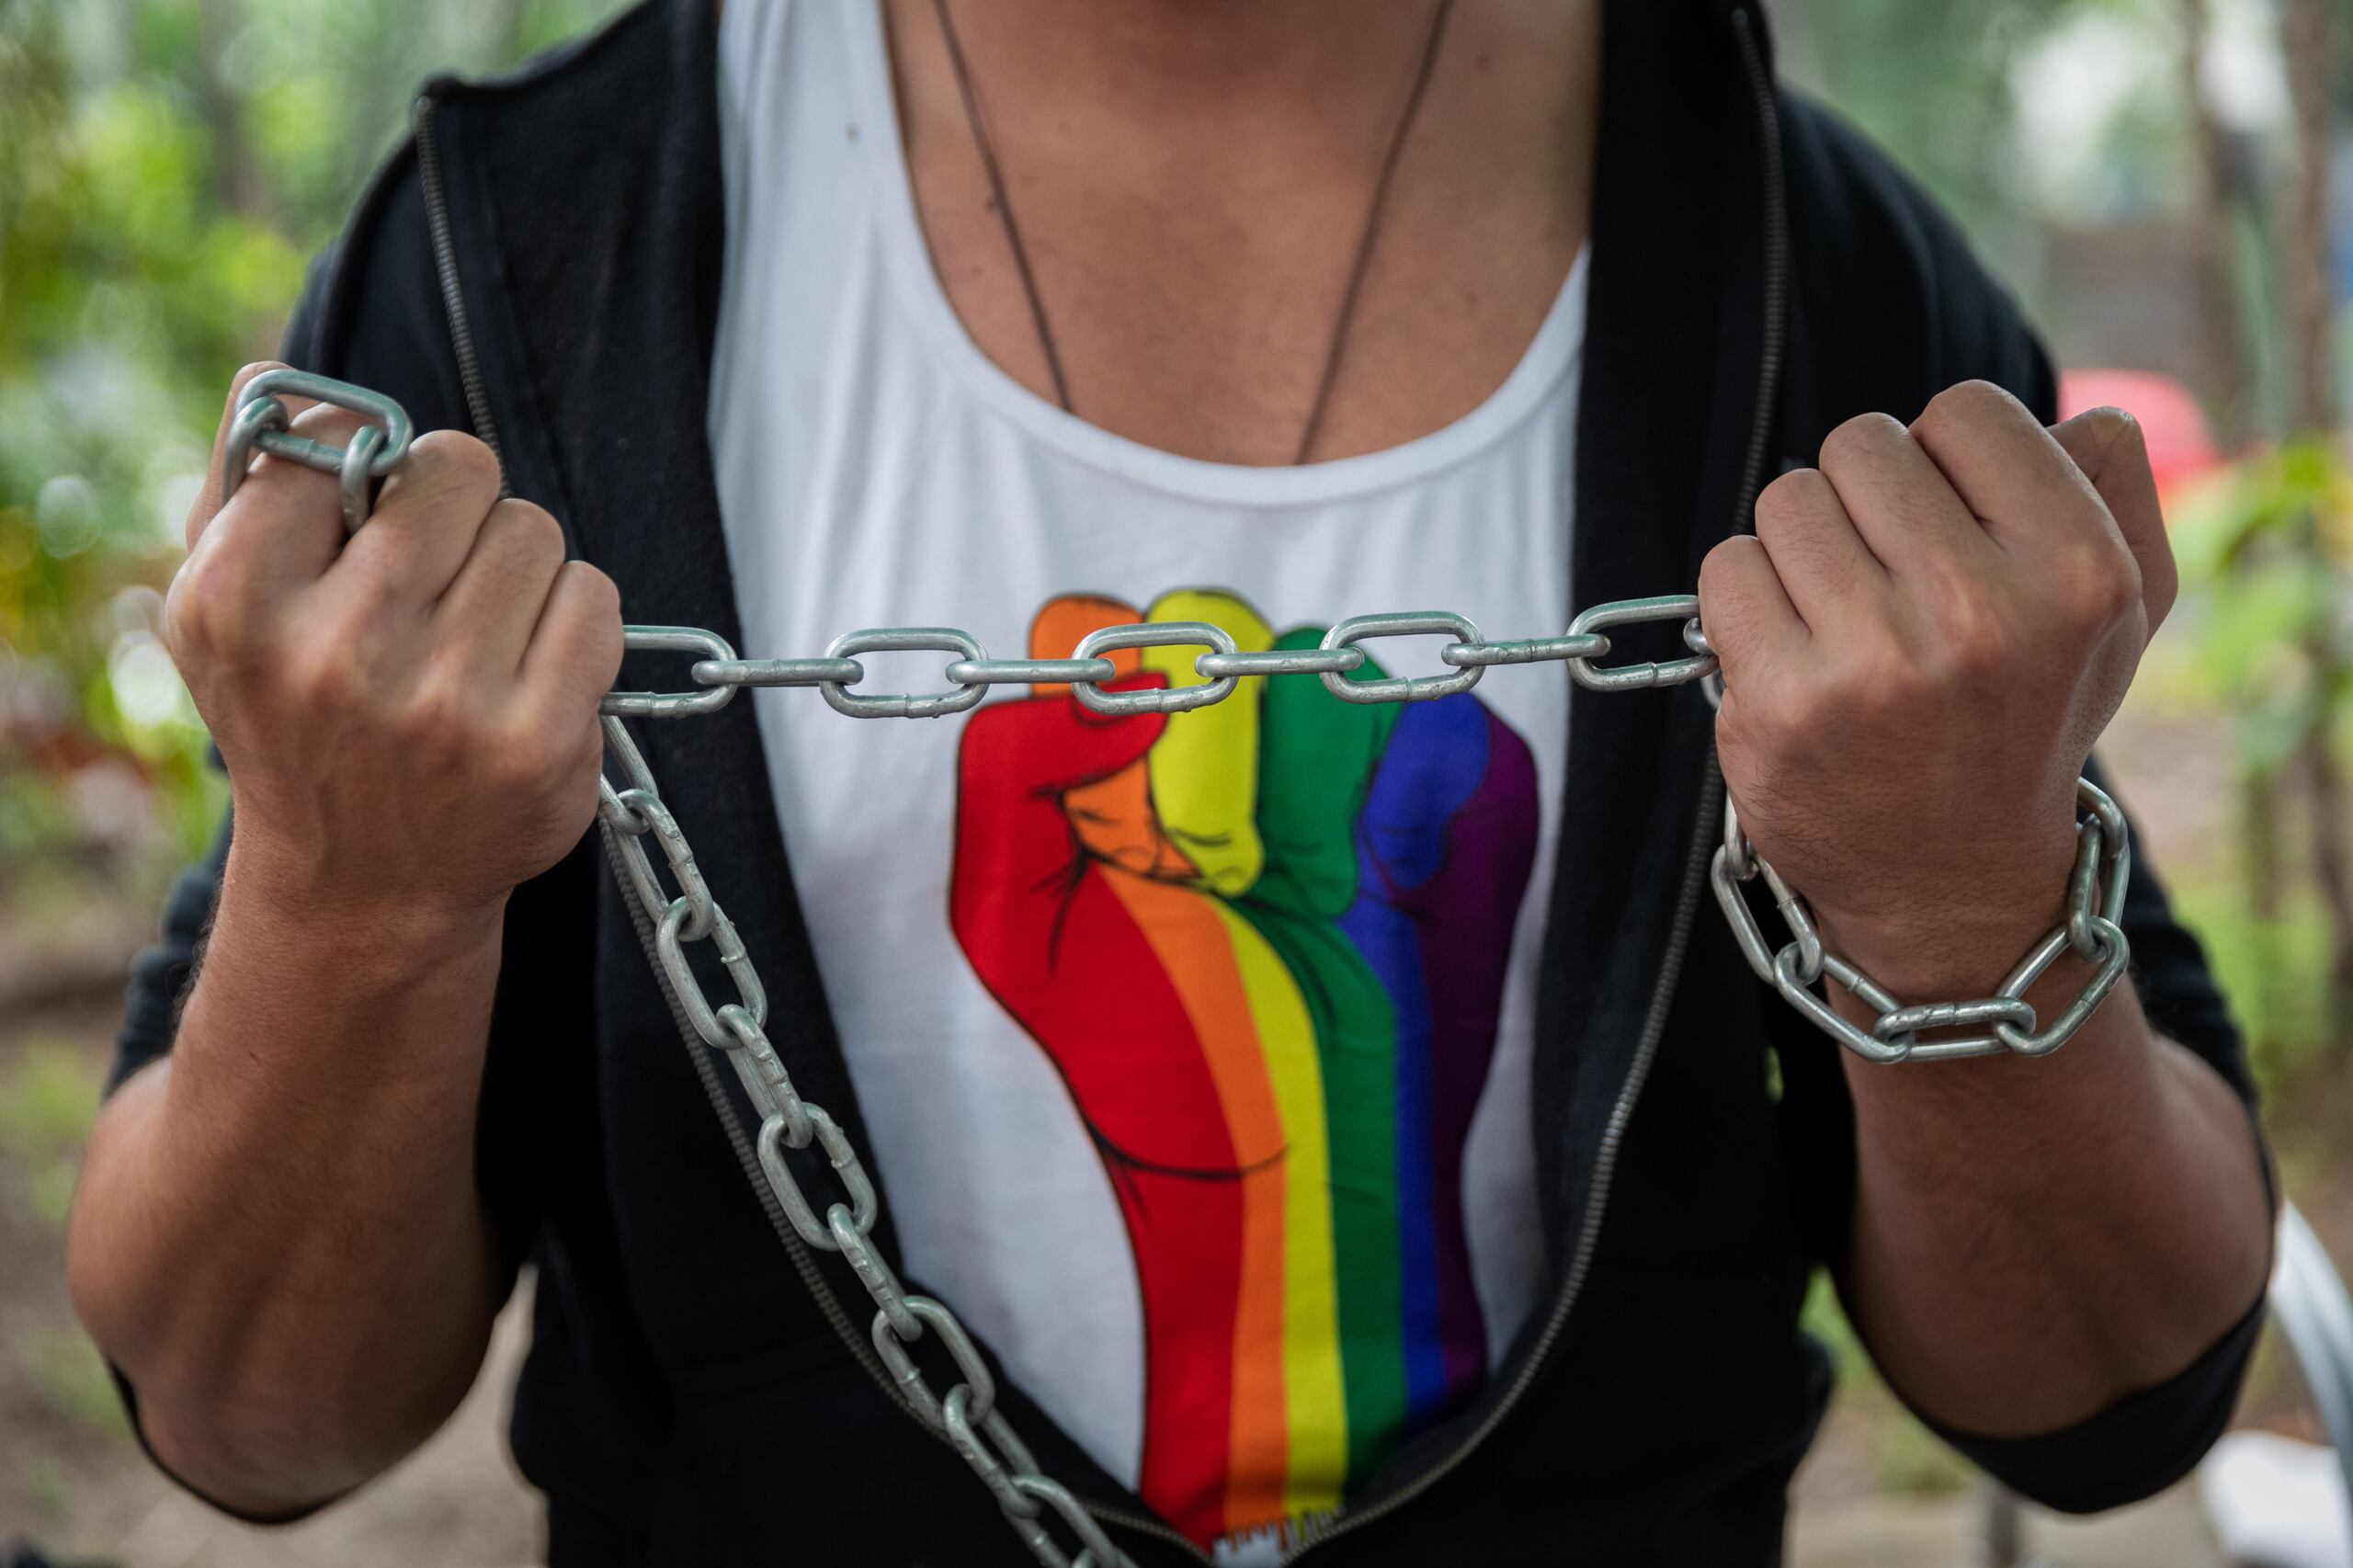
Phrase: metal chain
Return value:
(633, 813)
(1085, 672)
(966, 1413)
(2093, 929)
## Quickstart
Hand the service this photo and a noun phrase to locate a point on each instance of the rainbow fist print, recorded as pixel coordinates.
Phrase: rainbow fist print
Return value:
(1264, 943)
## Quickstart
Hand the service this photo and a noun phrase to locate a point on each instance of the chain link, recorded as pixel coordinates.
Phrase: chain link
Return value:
(2093, 928)
(633, 811)
(1161, 635)
(1398, 688)
(966, 1413)
(263, 422)
(910, 639)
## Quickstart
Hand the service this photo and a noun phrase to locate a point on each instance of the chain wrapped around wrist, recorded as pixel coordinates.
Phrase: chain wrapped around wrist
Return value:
(2093, 929)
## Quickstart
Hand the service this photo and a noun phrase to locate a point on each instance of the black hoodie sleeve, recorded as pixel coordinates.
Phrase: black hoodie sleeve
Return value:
(1903, 297)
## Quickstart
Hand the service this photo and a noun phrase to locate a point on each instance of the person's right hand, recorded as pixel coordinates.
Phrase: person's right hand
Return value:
(409, 718)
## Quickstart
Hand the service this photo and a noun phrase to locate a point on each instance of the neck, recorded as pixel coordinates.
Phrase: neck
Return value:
(1193, 58)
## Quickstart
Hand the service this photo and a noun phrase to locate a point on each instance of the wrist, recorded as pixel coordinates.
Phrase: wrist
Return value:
(1955, 942)
(350, 1008)
(283, 902)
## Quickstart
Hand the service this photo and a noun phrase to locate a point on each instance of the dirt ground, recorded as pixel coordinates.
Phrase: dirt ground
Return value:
(1877, 1492)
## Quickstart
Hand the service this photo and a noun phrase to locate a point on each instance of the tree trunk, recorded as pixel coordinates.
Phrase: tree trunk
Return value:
(2224, 346)
(240, 185)
(2309, 53)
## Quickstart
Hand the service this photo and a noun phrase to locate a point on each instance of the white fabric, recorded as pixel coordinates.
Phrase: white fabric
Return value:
(875, 468)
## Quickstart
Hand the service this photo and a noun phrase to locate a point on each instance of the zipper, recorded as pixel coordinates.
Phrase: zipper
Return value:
(804, 1263)
(453, 298)
(1704, 833)
(1777, 263)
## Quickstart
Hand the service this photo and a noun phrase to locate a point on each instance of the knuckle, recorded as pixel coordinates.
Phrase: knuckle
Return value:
(1719, 568)
(1806, 712)
(533, 750)
(1973, 635)
(437, 720)
(2100, 585)
(533, 529)
(601, 594)
(594, 606)
(456, 459)
(1962, 405)
(1857, 436)
(248, 372)
(202, 614)
(1962, 614)
(1737, 736)
(1795, 715)
(1975, 397)
(325, 675)
(590, 759)
(513, 759)
(1787, 501)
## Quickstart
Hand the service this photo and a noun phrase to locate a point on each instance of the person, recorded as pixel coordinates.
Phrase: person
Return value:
(1341, 1125)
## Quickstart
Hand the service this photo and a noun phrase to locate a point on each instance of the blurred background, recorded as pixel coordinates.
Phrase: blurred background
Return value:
(2168, 184)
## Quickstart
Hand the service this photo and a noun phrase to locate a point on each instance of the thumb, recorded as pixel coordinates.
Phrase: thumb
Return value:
(2107, 446)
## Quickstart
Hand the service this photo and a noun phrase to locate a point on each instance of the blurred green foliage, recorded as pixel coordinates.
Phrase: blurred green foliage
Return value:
(48, 1095)
(71, 1380)
(1932, 83)
(165, 167)
(2263, 643)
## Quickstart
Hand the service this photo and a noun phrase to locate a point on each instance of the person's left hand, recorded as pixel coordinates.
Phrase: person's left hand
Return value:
(1920, 644)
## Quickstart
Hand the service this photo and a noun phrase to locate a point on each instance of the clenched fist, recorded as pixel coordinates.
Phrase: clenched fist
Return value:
(410, 717)
(1920, 644)
(1265, 943)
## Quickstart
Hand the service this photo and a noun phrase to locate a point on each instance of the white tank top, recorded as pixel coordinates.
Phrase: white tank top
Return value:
(1194, 1049)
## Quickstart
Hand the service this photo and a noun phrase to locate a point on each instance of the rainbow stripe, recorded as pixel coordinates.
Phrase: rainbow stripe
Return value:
(1264, 942)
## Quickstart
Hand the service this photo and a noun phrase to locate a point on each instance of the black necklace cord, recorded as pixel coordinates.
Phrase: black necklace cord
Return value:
(1356, 268)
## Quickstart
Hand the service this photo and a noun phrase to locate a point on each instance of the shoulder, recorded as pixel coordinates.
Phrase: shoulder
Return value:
(570, 126)
(370, 310)
(1887, 300)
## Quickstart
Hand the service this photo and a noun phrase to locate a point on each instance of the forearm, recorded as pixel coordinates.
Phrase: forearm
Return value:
(278, 1235)
(2035, 1238)
(1920, 645)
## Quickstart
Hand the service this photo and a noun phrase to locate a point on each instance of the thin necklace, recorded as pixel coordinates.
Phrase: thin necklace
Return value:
(1356, 270)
